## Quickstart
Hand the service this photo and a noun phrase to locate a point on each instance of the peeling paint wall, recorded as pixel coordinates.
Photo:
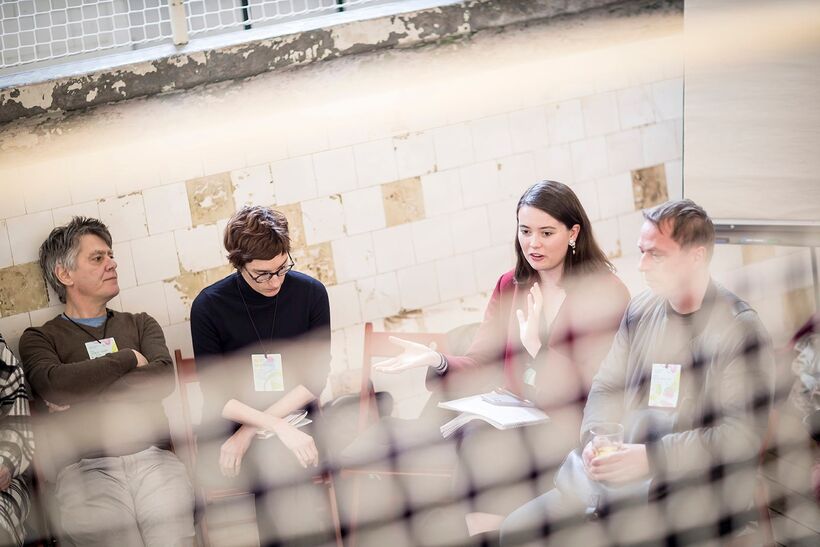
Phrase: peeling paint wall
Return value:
(188, 70)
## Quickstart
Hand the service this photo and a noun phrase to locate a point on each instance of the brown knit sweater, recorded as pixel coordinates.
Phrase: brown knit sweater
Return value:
(115, 407)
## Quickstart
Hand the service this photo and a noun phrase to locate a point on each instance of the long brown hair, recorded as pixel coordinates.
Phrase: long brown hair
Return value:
(560, 202)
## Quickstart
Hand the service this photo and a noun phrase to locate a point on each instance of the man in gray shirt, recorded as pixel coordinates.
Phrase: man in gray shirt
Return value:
(690, 378)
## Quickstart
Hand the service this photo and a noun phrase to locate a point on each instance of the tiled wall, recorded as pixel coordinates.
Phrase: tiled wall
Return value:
(405, 208)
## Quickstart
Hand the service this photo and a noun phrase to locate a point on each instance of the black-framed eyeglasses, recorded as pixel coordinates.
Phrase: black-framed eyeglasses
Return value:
(267, 276)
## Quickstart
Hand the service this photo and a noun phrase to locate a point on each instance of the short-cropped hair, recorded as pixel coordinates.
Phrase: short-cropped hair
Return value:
(690, 224)
(62, 246)
(256, 233)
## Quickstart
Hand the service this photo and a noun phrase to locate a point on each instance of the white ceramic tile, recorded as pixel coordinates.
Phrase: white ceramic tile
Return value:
(42, 189)
(42, 316)
(354, 345)
(149, 299)
(375, 162)
(471, 229)
(335, 171)
(589, 159)
(629, 227)
(364, 210)
(178, 337)
(293, 179)
(418, 286)
(27, 233)
(624, 151)
(178, 161)
(587, 194)
(415, 154)
(323, 219)
(667, 96)
(554, 163)
(674, 179)
(491, 137)
(516, 174)
(167, 208)
(615, 195)
(454, 146)
(660, 143)
(125, 217)
(126, 275)
(479, 183)
(432, 239)
(528, 129)
(63, 215)
(565, 122)
(155, 258)
(307, 137)
(5, 246)
(179, 307)
(491, 263)
(344, 305)
(456, 277)
(220, 155)
(200, 248)
(253, 186)
(393, 248)
(12, 328)
(503, 221)
(353, 257)
(379, 296)
(265, 148)
(11, 185)
(132, 168)
(608, 237)
(635, 107)
(626, 268)
(86, 182)
(442, 193)
(600, 114)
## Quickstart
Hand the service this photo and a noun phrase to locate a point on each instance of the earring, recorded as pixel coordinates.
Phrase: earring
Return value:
(572, 245)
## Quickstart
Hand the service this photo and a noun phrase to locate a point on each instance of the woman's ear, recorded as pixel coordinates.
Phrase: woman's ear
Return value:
(574, 231)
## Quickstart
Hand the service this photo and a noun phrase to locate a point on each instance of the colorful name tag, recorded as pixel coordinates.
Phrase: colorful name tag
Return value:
(103, 347)
(267, 372)
(664, 388)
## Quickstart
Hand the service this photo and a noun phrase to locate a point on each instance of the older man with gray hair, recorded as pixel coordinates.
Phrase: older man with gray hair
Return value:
(103, 374)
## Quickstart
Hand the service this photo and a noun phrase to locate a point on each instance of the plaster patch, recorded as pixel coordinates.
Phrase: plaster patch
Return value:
(142, 69)
(119, 87)
(198, 57)
(75, 86)
(178, 60)
(91, 95)
(32, 96)
(374, 31)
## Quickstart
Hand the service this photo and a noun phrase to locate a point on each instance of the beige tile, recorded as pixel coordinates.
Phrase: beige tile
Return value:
(22, 289)
(189, 284)
(649, 186)
(403, 201)
(296, 228)
(316, 261)
(210, 198)
(756, 253)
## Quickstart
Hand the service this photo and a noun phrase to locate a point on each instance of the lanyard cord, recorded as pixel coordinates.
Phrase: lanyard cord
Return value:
(250, 317)
(105, 327)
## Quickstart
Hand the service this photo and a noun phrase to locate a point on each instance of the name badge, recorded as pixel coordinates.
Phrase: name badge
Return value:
(267, 372)
(664, 388)
(103, 347)
(529, 376)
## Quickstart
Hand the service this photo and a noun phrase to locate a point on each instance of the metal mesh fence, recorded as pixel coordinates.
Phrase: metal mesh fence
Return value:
(39, 30)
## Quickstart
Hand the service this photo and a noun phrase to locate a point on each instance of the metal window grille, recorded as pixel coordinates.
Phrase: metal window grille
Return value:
(39, 30)
(208, 16)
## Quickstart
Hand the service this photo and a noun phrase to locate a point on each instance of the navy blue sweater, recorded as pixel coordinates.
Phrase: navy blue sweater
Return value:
(224, 339)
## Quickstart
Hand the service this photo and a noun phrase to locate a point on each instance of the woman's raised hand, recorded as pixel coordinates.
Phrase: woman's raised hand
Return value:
(529, 325)
(415, 355)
